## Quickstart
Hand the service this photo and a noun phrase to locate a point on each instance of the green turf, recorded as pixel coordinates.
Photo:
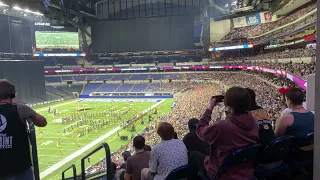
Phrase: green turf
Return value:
(49, 154)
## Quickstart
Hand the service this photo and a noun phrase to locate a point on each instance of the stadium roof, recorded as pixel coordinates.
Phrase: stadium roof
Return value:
(290, 6)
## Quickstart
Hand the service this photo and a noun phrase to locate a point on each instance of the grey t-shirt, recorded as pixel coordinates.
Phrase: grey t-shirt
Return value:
(24, 112)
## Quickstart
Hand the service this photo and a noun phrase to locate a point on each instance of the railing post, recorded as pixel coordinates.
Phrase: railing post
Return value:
(108, 160)
(74, 170)
(33, 141)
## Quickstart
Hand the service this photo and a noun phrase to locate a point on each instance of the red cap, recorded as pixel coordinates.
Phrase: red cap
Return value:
(283, 91)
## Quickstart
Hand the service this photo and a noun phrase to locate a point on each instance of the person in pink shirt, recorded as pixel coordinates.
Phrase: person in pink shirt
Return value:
(237, 130)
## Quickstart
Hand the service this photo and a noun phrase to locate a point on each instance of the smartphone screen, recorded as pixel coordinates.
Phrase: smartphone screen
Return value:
(218, 98)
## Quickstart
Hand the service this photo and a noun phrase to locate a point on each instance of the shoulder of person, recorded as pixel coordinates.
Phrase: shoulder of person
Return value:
(286, 111)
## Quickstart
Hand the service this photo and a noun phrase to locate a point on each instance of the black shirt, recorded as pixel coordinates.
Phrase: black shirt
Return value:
(193, 143)
(14, 143)
(266, 133)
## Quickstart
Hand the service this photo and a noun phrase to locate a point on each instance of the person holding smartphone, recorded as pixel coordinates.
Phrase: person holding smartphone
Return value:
(237, 130)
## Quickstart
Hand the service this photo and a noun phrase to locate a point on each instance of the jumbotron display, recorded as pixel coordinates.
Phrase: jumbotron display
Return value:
(57, 40)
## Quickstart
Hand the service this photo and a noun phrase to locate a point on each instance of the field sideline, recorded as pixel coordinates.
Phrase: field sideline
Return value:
(53, 160)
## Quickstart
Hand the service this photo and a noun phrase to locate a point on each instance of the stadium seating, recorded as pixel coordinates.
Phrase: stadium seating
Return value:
(53, 79)
(121, 77)
(104, 77)
(139, 88)
(107, 88)
(237, 157)
(67, 78)
(69, 89)
(159, 76)
(140, 77)
(179, 173)
(154, 87)
(272, 159)
(79, 78)
(125, 88)
(147, 59)
(90, 87)
(57, 91)
(92, 77)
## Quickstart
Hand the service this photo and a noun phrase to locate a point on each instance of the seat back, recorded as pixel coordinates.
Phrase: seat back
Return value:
(179, 173)
(306, 143)
(238, 156)
(277, 150)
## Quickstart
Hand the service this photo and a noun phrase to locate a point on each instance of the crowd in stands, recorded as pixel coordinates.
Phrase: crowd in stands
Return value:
(257, 30)
(192, 104)
(267, 54)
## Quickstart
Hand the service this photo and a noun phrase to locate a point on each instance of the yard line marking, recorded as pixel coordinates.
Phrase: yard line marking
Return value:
(43, 109)
(77, 153)
(87, 147)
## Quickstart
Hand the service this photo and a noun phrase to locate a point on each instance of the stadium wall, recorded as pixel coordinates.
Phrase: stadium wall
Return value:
(16, 36)
(219, 29)
(28, 78)
(145, 34)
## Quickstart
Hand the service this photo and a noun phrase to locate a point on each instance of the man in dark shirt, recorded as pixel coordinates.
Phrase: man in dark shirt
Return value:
(192, 141)
(138, 161)
(14, 142)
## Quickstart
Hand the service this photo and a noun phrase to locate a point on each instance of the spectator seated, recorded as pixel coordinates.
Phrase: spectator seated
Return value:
(242, 155)
(271, 160)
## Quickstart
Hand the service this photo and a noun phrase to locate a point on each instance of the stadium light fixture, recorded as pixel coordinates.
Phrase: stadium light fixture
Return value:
(17, 8)
(2, 4)
(27, 10)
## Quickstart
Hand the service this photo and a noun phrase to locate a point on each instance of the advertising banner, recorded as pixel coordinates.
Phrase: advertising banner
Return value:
(253, 19)
(267, 17)
(239, 22)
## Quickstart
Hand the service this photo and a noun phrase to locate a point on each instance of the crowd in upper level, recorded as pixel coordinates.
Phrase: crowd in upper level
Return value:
(260, 29)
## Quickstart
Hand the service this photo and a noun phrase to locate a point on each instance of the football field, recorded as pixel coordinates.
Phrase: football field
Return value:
(76, 127)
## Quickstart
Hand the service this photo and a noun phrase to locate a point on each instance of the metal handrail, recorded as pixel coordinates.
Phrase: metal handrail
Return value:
(33, 141)
(74, 171)
(108, 159)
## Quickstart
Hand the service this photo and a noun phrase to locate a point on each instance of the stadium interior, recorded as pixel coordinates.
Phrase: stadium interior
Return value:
(103, 72)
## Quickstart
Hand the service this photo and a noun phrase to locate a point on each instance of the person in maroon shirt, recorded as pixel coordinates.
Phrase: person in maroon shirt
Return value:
(237, 130)
(192, 141)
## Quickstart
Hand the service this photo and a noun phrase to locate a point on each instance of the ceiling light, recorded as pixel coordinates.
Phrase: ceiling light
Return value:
(17, 8)
(2, 4)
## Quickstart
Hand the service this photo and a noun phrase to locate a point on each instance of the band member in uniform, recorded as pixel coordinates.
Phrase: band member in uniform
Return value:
(59, 145)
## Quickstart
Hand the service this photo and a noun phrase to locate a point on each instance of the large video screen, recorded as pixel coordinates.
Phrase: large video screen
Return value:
(57, 40)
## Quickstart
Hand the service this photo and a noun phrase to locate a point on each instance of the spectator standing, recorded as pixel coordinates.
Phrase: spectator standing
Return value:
(238, 130)
(300, 121)
(138, 161)
(192, 141)
(15, 149)
(168, 155)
